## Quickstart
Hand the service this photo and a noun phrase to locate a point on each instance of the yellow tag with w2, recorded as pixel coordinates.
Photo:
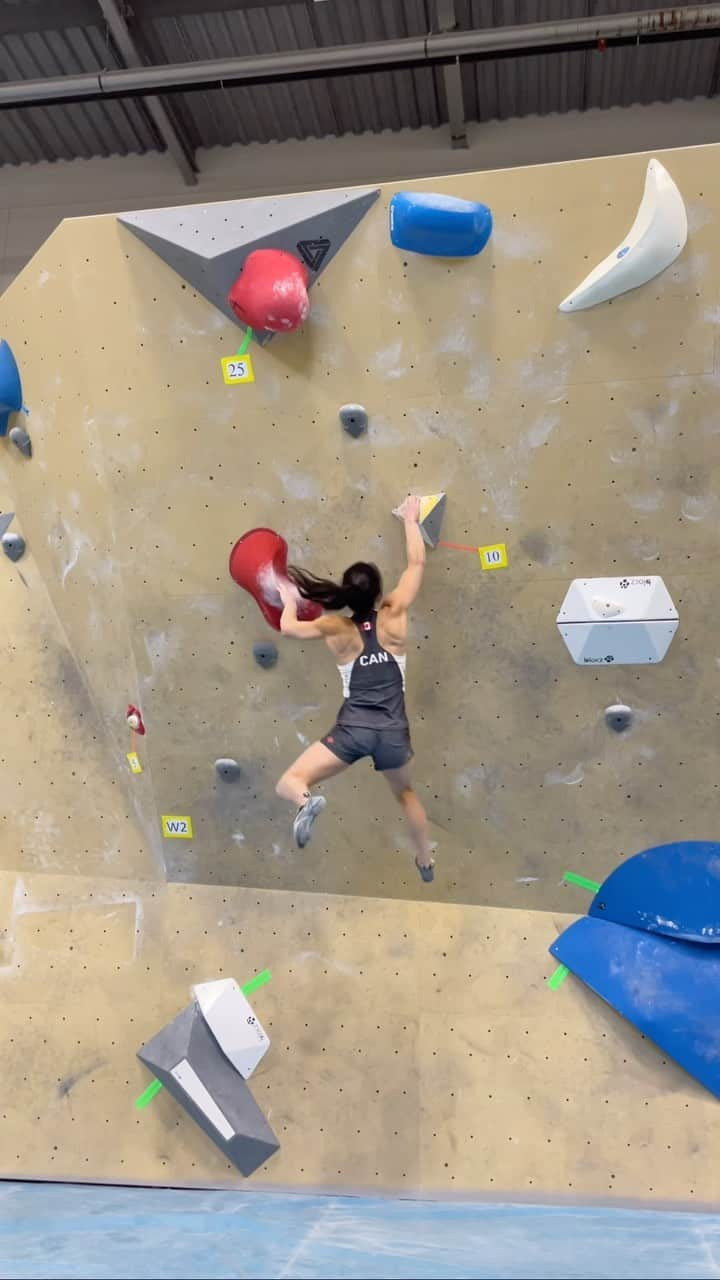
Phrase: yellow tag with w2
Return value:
(177, 827)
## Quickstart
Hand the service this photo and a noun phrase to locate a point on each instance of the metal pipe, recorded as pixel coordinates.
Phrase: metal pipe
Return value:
(442, 47)
(452, 80)
(176, 143)
(644, 24)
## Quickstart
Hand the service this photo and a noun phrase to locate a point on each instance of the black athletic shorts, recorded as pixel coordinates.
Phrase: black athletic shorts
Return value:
(388, 748)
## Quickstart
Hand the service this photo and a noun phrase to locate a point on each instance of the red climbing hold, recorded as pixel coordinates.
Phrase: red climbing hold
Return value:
(271, 291)
(257, 562)
(134, 719)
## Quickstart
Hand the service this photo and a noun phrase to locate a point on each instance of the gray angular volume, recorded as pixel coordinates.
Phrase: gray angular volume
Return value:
(207, 244)
(186, 1057)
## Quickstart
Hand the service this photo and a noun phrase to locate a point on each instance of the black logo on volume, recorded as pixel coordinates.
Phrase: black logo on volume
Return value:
(313, 252)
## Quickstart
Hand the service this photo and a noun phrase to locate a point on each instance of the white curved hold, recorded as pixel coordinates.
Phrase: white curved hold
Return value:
(606, 608)
(656, 238)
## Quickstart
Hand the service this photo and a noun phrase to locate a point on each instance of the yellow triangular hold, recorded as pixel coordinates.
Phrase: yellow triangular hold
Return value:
(428, 503)
(432, 517)
(432, 510)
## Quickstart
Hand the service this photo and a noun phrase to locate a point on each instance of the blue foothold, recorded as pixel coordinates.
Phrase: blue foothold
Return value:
(265, 654)
(437, 225)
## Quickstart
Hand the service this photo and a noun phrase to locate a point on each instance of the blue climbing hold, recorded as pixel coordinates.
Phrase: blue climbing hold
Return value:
(265, 654)
(438, 225)
(10, 386)
(672, 889)
(666, 988)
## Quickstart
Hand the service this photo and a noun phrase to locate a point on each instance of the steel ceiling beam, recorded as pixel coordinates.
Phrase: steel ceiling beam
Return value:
(646, 26)
(452, 80)
(177, 145)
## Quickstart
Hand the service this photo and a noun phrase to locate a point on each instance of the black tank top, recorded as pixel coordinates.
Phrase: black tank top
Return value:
(373, 684)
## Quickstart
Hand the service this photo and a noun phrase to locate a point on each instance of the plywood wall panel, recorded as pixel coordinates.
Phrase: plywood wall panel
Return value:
(416, 1049)
(587, 443)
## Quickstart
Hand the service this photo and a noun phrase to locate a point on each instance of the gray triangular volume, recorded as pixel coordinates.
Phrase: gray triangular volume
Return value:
(5, 522)
(432, 524)
(186, 1057)
(207, 244)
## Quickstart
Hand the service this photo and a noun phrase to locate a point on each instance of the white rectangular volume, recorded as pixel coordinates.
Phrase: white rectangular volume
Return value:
(230, 1017)
(617, 620)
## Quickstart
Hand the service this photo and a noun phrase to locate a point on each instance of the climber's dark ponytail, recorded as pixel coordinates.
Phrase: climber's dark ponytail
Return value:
(359, 590)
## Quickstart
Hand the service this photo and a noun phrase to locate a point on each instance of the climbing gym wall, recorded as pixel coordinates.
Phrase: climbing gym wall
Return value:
(415, 1046)
(587, 443)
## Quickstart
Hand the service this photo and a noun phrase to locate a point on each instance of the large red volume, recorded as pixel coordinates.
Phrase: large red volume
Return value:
(257, 561)
(271, 291)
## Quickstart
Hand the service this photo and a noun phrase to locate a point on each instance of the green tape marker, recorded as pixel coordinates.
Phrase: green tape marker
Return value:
(245, 342)
(558, 977)
(571, 878)
(258, 981)
(156, 1085)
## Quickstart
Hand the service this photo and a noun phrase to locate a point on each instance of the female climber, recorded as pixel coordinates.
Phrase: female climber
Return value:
(369, 648)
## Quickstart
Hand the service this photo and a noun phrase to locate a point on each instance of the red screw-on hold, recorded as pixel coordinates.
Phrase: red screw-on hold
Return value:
(271, 291)
(134, 719)
(602, 45)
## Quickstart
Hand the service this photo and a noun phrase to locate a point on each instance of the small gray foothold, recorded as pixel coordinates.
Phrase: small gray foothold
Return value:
(265, 654)
(228, 770)
(20, 437)
(354, 419)
(13, 546)
(618, 717)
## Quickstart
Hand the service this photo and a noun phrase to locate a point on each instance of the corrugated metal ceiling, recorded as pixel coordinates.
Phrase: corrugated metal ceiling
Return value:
(35, 43)
(63, 133)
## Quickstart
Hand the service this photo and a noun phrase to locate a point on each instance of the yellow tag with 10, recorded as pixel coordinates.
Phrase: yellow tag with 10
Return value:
(494, 557)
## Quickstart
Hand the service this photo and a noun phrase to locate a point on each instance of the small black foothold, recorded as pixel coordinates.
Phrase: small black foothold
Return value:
(354, 419)
(20, 437)
(13, 546)
(618, 717)
(265, 654)
(228, 770)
